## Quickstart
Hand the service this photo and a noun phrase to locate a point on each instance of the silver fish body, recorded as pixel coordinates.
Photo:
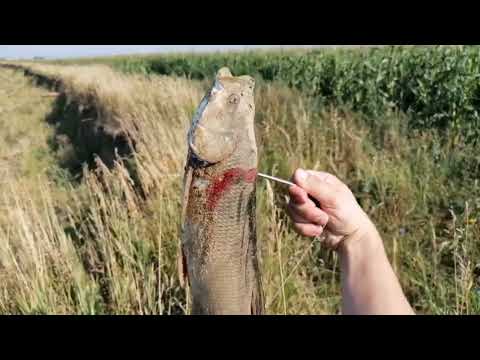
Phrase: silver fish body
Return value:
(219, 240)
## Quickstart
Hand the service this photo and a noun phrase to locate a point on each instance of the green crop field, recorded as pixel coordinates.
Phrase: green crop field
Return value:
(438, 87)
(399, 125)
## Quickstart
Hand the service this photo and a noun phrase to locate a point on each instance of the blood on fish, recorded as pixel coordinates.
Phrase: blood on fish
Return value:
(220, 185)
(223, 183)
(250, 175)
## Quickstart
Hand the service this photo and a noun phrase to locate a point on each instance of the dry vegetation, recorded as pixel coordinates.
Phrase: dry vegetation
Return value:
(106, 242)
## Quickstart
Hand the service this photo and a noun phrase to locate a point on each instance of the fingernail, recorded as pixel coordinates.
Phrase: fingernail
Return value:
(302, 175)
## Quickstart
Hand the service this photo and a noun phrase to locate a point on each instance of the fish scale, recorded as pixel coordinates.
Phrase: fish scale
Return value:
(219, 240)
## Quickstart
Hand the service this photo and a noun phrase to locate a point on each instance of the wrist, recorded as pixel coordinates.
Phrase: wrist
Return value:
(364, 242)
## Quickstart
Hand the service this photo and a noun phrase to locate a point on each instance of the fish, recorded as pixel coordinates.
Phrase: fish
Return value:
(218, 252)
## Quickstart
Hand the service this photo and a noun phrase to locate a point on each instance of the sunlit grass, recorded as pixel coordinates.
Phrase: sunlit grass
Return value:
(101, 245)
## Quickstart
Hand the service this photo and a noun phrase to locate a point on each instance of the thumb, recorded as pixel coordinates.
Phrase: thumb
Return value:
(315, 186)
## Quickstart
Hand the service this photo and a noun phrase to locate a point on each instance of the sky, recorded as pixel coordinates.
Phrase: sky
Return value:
(66, 51)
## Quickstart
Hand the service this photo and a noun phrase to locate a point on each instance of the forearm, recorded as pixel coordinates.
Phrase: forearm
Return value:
(369, 284)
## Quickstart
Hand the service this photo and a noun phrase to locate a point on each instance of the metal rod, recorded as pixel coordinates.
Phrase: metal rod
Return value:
(273, 178)
(315, 201)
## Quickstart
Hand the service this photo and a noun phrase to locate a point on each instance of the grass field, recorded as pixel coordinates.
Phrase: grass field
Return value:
(98, 240)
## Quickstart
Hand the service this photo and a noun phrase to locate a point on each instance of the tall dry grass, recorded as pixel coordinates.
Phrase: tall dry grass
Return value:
(102, 246)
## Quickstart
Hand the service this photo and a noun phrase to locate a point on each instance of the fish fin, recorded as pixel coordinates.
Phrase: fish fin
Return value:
(187, 182)
(181, 260)
(182, 268)
(258, 299)
(258, 304)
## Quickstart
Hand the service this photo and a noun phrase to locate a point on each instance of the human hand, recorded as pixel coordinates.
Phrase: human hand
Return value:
(339, 213)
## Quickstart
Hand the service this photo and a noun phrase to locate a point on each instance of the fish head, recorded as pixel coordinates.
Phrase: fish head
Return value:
(224, 117)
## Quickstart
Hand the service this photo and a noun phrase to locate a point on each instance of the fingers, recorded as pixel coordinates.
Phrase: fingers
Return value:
(308, 220)
(309, 230)
(324, 176)
(307, 213)
(337, 207)
(298, 195)
(322, 186)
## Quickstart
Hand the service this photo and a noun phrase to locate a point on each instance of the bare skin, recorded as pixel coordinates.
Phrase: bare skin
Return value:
(369, 284)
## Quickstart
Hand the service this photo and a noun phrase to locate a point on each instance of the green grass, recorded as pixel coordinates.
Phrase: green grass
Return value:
(437, 86)
(424, 203)
(101, 247)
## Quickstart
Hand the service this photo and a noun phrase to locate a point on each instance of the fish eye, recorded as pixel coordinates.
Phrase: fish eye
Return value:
(233, 99)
